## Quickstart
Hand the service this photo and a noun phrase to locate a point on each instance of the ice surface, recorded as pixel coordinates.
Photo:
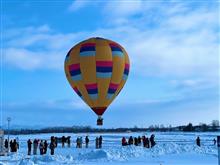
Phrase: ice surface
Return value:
(171, 149)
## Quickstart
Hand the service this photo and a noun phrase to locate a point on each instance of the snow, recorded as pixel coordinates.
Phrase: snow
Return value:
(171, 149)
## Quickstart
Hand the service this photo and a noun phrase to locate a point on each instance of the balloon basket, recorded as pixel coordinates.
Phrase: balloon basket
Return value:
(100, 121)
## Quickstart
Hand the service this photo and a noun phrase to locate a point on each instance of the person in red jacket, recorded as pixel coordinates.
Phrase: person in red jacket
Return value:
(124, 142)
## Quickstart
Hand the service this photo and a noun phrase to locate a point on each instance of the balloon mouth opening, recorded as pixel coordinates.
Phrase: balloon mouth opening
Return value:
(99, 110)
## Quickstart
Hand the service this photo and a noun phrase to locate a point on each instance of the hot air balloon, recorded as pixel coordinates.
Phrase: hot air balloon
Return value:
(97, 70)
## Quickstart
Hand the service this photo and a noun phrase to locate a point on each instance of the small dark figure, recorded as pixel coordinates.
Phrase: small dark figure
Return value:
(6, 144)
(147, 142)
(124, 142)
(77, 142)
(68, 141)
(198, 141)
(29, 144)
(214, 140)
(55, 141)
(100, 141)
(96, 142)
(52, 147)
(41, 147)
(35, 145)
(80, 142)
(139, 140)
(63, 141)
(45, 147)
(130, 141)
(11, 145)
(87, 141)
(136, 141)
(144, 141)
(152, 142)
(14, 146)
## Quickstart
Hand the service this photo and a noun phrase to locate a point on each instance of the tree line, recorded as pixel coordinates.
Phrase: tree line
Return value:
(202, 127)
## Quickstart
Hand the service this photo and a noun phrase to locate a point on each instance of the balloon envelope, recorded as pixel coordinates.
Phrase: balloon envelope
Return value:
(97, 70)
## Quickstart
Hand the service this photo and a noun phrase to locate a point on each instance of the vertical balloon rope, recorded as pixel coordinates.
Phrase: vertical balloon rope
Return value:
(1, 76)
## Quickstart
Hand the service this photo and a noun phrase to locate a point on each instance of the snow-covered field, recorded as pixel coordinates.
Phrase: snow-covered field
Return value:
(171, 149)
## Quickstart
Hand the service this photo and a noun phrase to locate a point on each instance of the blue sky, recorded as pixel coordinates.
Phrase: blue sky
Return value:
(173, 47)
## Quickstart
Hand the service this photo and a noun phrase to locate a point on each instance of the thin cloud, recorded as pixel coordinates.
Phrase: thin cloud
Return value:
(77, 5)
(170, 47)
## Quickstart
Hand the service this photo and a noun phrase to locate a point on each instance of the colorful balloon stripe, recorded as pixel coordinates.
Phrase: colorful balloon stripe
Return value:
(87, 53)
(104, 63)
(74, 67)
(91, 86)
(113, 86)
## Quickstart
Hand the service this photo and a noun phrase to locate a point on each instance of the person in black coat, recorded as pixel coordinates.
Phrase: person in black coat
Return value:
(52, 147)
(29, 144)
(63, 141)
(136, 141)
(130, 141)
(152, 141)
(11, 146)
(68, 141)
(45, 147)
(100, 141)
(198, 141)
(87, 141)
(139, 140)
(6, 144)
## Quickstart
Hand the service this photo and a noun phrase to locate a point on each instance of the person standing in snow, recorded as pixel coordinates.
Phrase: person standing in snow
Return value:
(52, 147)
(130, 141)
(87, 141)
(123, 141)
(41, 147)
(80, 142)
(96, 142)
(29, 144)
(15, 146)
(214, 141)
(139, 140)
(63, 141)
(100, 141)
(144, 141)
(136, 141)
(198, 141)
(6, 144)
(147, 142)
(45, 147)
(35, 145)
(77, 142)
(152, 142)
(56, 141)
(11, 145)
(68, 141)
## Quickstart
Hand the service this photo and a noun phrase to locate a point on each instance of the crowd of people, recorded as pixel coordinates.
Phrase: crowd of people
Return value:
(43, 145)
(138, 141)
(79, 142)
(65, 140)
(13, 145)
